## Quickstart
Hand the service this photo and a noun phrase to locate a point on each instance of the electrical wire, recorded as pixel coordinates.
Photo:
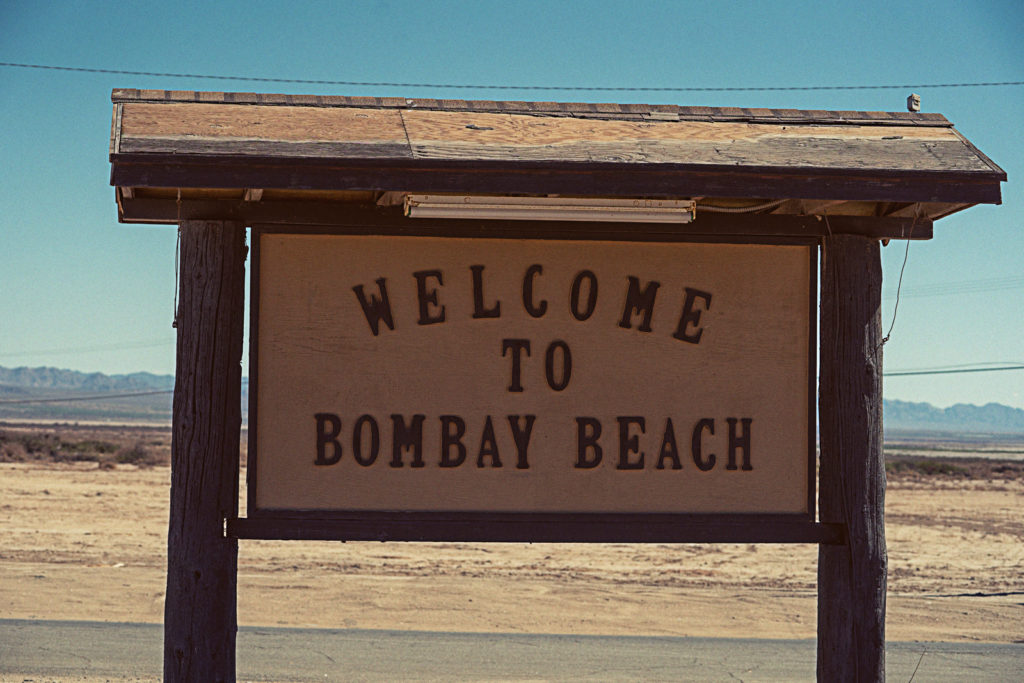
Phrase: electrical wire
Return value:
(22, 401)
(89, 349)
(966, 365)
(464, 86)
(951, 372)
(962, 287)
(899, 284)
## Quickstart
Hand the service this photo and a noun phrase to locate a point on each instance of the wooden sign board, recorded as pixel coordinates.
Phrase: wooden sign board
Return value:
(397, 377)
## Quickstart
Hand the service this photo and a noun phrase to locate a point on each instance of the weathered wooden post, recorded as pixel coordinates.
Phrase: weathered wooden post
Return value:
(851, 576)
(199, 613)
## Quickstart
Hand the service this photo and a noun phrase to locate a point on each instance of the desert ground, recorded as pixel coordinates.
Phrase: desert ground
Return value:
(83, 516)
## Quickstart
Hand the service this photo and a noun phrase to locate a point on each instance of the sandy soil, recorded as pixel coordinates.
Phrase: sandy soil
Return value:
(82, 542)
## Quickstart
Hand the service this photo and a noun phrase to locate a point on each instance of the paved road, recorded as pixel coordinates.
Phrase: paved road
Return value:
(62, 650)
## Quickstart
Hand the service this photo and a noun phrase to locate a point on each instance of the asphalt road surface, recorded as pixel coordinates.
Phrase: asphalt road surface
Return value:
(43, 651)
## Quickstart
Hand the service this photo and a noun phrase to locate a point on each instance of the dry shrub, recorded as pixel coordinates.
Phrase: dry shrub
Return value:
(12, 451)
(72, 444)
(136, 454)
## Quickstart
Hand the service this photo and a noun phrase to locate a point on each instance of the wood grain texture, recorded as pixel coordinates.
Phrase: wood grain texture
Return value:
(323, 133)
(200, 609)
(492, 128)
(239, 121)
(284, 149)
(774, 152)
(851, 577)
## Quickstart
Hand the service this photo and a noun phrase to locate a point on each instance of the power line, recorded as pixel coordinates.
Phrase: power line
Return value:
(962, 287)
(464, 86)
(951, 372)
(991, 363)
(83, 398)
(118, 346)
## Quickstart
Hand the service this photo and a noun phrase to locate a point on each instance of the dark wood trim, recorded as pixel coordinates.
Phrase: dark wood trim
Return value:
(593, 179)
(534, 527)
(543, 230)
(714, 228)
(115, 130)
(852, 576)
(366, 164)
(200, 609)
(251, 461)
(812, 383)
(356, 219)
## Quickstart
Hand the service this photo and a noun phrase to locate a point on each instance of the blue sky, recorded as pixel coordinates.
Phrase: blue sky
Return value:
(78, 290)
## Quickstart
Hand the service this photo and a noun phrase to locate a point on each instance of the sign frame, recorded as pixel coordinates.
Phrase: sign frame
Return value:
(482, 526)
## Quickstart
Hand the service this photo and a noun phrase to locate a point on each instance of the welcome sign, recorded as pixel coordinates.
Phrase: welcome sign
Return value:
(423, 374)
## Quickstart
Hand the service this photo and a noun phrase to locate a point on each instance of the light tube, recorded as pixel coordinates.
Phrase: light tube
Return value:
(550, 208)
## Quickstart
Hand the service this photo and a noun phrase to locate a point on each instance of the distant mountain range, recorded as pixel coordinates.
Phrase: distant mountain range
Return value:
(19, 386)
(31, 393)
(991, 418)
(53, 378)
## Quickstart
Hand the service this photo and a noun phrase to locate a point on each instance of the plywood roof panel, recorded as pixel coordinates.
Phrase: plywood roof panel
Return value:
(242, 121)
(291, 142)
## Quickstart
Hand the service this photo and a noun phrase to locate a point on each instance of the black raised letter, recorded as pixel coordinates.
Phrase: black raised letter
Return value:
(637, 300)
(588, 431)
(326, 436)
(452, 439)
(522, 439)
(549, 365)
(377, 308)
(427, 297)
(691, 316)
(516, 345)
(668, 448)
(357, 440)
(478, 296)
(630, 443)
(488, 446)
(736, 441)
(574, 295)
(541, 308)
(698, 460)
(407, 436)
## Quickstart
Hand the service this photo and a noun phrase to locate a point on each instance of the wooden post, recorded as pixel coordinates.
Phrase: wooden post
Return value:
(200, 611)
(851, 577)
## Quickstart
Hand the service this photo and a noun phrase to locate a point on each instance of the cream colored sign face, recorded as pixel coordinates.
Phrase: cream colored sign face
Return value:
(416, 374)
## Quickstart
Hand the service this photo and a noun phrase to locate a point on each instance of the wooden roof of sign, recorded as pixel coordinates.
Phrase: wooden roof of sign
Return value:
(281, 158)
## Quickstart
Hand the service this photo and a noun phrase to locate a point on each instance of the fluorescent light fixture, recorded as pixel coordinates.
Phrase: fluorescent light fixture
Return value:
(550, 208)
